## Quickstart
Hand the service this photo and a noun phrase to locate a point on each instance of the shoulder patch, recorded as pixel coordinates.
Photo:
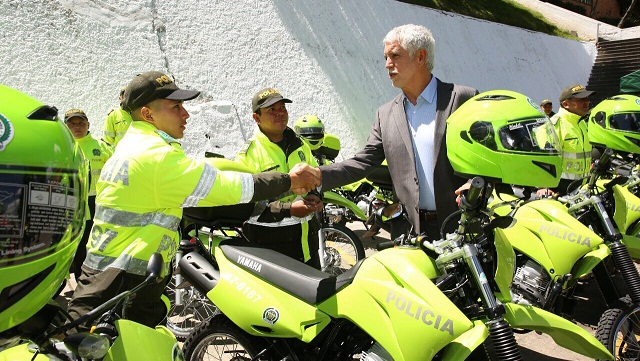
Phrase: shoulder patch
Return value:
(167, 138)
(245, 146)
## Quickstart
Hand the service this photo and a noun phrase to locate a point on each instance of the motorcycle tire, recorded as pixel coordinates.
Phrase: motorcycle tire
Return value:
(619, 331)
(219, 339)
(195, 309)
(343, 248)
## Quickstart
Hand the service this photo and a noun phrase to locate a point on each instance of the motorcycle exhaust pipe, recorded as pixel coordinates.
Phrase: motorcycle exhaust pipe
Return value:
(199, 272)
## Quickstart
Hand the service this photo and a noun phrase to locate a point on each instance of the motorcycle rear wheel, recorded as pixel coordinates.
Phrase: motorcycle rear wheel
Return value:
(195, 309)
(219, 339)
(619, 330)
(343, 248)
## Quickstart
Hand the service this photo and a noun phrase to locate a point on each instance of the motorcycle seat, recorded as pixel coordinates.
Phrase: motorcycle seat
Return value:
(288, 274)
(234, 214)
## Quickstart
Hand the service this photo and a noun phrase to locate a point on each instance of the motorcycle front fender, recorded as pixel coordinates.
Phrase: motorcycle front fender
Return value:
(633, 242)
(138, 342)
(335, 198)
(463, 345)
(565, 333)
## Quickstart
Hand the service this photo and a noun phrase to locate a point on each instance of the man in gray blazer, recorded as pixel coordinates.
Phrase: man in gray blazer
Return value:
(409, 131)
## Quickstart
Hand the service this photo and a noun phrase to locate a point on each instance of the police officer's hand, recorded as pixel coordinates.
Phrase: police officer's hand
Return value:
(304, 178)
(306, 206)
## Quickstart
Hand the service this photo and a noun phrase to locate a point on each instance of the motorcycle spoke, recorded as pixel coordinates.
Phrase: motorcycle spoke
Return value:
(219, 347)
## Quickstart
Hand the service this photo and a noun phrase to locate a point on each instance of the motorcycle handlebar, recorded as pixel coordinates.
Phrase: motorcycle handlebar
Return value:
(600, 165)
(385, 245)
(470, 197)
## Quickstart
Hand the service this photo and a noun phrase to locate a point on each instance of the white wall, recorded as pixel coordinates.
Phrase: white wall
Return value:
(326, 56)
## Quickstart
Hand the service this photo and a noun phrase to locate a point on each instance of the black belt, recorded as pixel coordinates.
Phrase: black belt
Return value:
(429, 216)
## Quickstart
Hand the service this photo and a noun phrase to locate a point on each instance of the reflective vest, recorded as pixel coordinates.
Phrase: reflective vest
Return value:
(116, 125)
(574, 140)
(141, 192)
(97, 152)
(261, 155)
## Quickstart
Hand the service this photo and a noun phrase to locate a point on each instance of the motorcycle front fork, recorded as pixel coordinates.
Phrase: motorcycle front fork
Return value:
(178, 280)
(321, 249)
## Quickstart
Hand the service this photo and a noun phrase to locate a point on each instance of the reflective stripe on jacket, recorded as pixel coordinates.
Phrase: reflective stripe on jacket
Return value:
(261, 154)
(574, 140)
(141, 192)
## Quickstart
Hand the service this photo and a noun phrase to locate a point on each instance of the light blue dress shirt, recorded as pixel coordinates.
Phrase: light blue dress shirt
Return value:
(422, 125)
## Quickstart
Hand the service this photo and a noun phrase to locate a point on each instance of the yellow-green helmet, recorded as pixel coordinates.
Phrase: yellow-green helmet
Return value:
(615, 123)
(310, 128)
(503, 136)
(43, 197)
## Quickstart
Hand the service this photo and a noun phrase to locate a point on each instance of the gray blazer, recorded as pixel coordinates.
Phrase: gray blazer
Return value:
(390, 138)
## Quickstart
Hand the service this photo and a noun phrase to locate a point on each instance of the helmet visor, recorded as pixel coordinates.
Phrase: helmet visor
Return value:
(308, 132)
(530, 136)
(628, 122)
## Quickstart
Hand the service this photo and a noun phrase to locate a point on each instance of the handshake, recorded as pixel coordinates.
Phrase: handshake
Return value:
(304, 178)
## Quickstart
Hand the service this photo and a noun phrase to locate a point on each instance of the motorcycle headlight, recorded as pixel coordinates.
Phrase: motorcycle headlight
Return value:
(88, 345)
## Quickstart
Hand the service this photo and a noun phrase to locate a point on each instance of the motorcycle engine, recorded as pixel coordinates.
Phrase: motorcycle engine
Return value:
(376, 353)
(530, 284)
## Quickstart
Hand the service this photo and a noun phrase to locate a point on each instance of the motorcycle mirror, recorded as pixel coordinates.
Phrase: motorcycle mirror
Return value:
(389, 212)
(392, 211)
(154, 267)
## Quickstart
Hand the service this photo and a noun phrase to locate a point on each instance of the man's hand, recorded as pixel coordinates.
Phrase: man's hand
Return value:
(304, 178)
(545, 192)
(459, 191)
(304, 207)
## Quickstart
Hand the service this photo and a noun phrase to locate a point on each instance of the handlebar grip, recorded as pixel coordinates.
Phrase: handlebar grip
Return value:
(600, 166)
(603, 162)
(477, 183)
(385, 245)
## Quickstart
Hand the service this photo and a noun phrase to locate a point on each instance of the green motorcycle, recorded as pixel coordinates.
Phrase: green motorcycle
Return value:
(112, 338)
(421, 300)
(446, 299)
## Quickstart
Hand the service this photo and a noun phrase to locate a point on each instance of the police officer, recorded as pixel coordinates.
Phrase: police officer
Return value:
(97, 152)
(141, 193)
(287, 224)
(571, 126)
(116, 123)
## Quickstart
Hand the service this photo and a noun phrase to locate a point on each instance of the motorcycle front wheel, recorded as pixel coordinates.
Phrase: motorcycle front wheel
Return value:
(343, 248)
(619, 330)
(219, 339)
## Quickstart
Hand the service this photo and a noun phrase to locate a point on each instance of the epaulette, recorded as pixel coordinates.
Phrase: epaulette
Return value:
(167, 138)
(245, 146)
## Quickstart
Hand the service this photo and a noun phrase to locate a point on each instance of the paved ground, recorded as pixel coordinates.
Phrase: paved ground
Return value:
(532, 346)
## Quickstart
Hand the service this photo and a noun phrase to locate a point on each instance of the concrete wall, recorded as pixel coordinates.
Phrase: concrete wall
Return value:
(325, 56)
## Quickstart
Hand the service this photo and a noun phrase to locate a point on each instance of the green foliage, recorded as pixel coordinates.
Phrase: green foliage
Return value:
(499, 11)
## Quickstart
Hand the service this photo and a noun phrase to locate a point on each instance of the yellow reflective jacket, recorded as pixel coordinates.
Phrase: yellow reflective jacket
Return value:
(97, 152)
(141, 192)
(261, 155)
(116, 125)
(574, 140)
